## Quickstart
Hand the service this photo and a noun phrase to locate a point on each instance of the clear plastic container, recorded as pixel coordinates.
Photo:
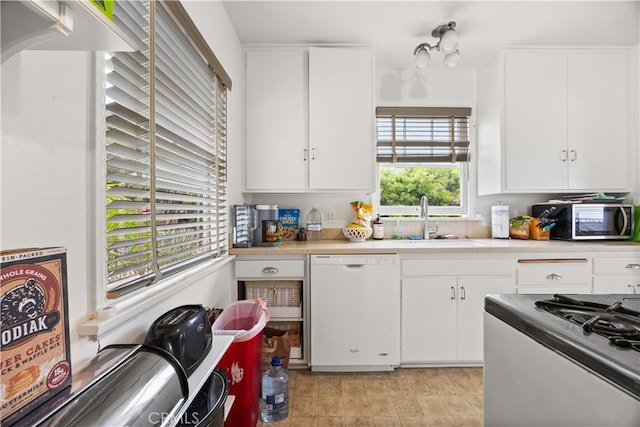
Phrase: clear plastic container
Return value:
(314, 225)
(275, 393)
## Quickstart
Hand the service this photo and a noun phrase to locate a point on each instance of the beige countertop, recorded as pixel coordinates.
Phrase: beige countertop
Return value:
(464, 246)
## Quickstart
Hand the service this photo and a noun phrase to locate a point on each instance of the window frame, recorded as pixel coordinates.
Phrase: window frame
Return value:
(464, 167)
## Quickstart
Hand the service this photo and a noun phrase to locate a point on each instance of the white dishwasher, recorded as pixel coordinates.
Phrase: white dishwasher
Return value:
(355, 312)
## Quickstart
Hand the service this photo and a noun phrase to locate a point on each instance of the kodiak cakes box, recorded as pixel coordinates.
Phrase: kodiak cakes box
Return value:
(35, 358)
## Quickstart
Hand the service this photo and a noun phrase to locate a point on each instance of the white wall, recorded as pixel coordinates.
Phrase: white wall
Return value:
(48, 172)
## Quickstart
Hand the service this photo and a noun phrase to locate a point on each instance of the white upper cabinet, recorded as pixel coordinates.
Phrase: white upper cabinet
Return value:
(276, 133)
(59, 25)
(341, 119)
(310, 119)
(554, 121)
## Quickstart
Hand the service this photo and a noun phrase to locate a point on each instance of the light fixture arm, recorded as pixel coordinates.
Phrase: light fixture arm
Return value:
(439, 31)
(449, 47)
(425, 46)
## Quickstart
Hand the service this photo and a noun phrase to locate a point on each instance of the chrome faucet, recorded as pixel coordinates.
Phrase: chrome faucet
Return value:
(424, 214)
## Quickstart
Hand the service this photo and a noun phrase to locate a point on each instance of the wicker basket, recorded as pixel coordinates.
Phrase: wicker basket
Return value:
(283, 298)
(357, 234)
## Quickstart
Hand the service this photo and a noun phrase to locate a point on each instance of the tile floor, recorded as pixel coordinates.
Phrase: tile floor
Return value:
(405, 397)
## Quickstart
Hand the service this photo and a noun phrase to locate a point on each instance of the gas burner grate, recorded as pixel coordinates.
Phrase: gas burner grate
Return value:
(615, 322)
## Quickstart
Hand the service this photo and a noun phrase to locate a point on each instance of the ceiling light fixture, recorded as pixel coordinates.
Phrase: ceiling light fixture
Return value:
(447, 43)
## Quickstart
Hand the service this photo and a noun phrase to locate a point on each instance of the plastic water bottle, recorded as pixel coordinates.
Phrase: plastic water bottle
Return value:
(275, 393)
(314, 225)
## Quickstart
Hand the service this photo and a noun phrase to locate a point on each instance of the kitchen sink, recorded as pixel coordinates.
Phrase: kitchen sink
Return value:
(446, 243)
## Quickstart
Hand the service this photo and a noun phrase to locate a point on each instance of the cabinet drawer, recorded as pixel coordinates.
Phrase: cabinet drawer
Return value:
(555, 289)
(463, 267)
(269, 269)
(554, 273)
(630, 266)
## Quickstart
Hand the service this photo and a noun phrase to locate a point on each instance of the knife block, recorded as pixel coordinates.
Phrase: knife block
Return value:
(536, 233)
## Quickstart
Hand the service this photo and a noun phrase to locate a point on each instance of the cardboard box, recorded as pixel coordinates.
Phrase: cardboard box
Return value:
(288, 223)
(35, 357)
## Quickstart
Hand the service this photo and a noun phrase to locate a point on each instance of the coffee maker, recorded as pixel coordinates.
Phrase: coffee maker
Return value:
(266, 232)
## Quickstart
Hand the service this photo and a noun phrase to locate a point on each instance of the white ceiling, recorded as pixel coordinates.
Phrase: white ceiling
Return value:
(395, 28)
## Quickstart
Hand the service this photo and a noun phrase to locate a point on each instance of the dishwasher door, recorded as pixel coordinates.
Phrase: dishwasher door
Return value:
(355, 312)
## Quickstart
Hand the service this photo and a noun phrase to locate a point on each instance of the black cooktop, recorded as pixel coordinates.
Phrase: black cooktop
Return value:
(558, 322)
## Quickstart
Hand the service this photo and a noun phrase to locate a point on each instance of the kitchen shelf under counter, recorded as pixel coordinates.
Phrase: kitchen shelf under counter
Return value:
(464, 246)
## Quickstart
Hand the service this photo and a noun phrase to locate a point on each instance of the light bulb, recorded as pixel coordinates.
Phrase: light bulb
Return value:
(422, 58)
(452, 59)
(449, 41)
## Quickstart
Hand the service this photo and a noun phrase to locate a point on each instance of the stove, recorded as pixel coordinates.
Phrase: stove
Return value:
(618, 323)
(561, 359)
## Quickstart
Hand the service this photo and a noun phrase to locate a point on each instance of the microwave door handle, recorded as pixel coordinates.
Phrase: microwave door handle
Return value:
(625, 220)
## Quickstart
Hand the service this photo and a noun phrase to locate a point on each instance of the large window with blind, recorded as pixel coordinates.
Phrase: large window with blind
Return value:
(166, 114)
(423, 151)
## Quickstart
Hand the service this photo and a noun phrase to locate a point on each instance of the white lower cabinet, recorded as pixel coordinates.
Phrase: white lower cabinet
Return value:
(441, 320)
(281, 281)
(617, 275)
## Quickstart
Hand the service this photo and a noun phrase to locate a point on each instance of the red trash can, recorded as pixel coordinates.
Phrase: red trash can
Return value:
(245, 320)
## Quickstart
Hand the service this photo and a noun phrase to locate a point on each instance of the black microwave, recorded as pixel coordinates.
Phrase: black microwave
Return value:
(588, 221)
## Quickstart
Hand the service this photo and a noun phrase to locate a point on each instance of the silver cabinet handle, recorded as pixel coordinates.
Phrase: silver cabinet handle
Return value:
(313, 153)
(554, 276)
(632, 288)
(564, 155)
(305, 155)
(463, 293)
(633, 266)
(270, 270)
(574, 155)
(453, 293)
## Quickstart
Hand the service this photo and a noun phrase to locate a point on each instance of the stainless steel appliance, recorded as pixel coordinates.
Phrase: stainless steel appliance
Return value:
(589, 221)
(244, 223)
(562, 361)
(266, 230)
(185, 332)
(114, 389)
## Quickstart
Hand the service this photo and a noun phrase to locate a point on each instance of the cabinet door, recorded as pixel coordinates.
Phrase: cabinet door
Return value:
(598, 123)
(616, 285)
(535, 121)
(341, 119)
(471, 294)
(429, 320)
(276, 128)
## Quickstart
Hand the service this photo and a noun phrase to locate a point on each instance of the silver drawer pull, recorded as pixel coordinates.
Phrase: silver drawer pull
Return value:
(270, 270)
(632, 288)
(633, 266)
(453, 293)
(554, 276)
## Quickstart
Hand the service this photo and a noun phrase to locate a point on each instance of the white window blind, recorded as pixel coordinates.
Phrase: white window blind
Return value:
(166, 119)
(422, 134)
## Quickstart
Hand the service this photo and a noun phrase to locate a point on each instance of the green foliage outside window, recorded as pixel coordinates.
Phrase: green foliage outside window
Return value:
(405, 186)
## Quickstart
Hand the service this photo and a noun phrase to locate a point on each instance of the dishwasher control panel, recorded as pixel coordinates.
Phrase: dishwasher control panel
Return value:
(355, 259)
